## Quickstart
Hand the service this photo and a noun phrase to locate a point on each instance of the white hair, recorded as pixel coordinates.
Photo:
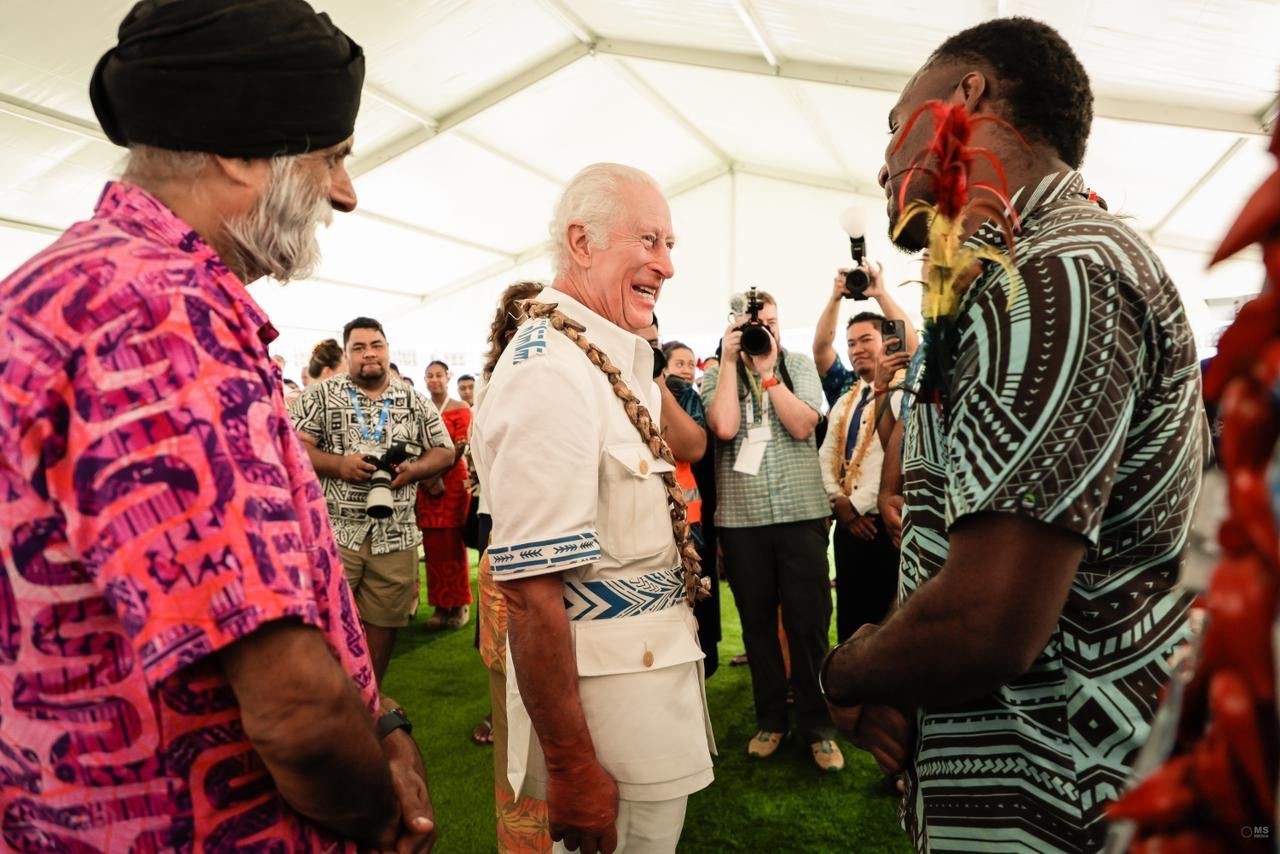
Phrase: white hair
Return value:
(147, 165)
(592, 200)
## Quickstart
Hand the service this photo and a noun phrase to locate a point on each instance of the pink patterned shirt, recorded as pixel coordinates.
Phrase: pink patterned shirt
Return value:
(155, 506)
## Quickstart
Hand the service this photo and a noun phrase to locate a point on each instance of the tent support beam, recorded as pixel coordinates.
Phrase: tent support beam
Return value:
(73, 125)
(473, 107)
(26, 225)
(569, 20)
(430, 232)
(822, 182)
(625, 72)
(18, 108)
(1204, 179)
(1121, 109)
(509, 157)
(756, 29)
(812, 119)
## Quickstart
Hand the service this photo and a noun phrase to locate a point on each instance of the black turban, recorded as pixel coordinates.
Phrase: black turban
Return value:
(240, 78)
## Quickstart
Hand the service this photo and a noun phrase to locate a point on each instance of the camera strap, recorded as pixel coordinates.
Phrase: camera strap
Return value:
(748, 387)
(376, 437)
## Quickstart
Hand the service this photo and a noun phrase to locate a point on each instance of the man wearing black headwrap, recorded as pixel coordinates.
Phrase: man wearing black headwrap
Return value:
(181, 662)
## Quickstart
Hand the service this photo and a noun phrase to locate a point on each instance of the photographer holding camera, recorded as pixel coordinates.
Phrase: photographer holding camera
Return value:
(771, 509)
(852, 455)
(370, 441)
(848, 284)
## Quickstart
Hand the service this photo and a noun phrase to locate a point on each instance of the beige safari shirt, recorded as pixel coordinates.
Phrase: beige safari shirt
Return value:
(573, 490)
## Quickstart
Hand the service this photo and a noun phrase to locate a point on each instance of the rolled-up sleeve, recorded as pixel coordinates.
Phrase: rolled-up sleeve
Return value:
(540, 439)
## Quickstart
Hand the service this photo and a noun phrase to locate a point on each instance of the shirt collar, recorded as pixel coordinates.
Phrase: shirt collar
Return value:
(133, 210)
(631, 353)
(1030, 200)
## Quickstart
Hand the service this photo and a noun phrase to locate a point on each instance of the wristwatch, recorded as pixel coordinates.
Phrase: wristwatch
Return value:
(770, 383)
(392, 720)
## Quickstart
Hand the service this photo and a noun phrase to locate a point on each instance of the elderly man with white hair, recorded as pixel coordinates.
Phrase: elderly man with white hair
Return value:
(608, 717)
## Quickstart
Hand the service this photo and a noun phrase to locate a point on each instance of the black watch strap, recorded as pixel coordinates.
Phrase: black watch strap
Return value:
(392, 720)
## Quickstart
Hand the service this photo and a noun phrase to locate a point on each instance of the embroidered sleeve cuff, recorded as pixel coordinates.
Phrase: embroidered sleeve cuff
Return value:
(538, 557)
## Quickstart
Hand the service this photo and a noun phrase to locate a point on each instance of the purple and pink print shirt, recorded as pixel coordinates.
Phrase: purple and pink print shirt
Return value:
(155, 506)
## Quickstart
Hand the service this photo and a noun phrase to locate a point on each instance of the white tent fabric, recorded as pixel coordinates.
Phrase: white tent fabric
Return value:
(763, 119)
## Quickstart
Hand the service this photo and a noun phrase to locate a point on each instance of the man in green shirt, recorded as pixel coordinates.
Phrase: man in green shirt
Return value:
(771, 516)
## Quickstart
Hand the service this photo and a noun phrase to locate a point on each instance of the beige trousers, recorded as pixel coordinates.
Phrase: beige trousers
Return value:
(647, 827)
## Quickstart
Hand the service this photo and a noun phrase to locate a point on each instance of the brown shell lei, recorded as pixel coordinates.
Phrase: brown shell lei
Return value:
(695, 586)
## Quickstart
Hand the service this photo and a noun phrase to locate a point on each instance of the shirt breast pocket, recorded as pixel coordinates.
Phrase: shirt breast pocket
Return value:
(634, 499)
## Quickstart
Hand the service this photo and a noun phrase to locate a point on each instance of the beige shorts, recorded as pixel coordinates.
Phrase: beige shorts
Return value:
(385, 586)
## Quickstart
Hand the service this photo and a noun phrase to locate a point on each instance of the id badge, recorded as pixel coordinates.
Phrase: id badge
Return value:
(751, 455)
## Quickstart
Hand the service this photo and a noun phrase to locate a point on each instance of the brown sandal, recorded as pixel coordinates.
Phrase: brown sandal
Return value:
(482, 735)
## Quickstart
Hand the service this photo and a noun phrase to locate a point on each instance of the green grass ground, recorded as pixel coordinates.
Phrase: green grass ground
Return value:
(783, 804)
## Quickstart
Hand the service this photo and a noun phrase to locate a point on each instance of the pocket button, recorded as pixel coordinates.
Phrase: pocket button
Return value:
(644, 467)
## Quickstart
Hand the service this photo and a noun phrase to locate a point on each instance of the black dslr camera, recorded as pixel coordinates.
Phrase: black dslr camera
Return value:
(379, 504)
(756, 338)
(855, 281)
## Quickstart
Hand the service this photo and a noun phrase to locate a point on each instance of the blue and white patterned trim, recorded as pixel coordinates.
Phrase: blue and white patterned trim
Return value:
(627, 597)
(568, 551)
(530, 341)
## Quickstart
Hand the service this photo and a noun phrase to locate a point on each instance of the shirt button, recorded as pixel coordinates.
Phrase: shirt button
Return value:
(644, 467)
(648, 658)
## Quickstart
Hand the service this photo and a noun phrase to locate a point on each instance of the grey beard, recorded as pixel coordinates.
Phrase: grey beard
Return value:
(278, 237)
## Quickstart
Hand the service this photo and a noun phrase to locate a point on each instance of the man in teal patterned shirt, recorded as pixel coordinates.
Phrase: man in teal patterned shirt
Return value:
(1049, 487)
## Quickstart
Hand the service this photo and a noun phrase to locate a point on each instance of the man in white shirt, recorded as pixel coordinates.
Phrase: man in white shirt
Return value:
(851, 456)
(607, 715)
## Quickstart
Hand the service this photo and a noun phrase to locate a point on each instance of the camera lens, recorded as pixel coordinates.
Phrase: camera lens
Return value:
(756, 340)
(855, 284)
(379, 504)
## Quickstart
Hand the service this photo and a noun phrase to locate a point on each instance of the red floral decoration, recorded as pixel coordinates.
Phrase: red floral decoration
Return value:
(1220, 780)
(946, 162)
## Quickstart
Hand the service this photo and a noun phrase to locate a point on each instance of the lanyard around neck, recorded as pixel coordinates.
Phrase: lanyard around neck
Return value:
(364, 428)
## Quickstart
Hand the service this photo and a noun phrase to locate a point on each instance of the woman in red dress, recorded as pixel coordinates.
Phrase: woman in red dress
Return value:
(442, 513)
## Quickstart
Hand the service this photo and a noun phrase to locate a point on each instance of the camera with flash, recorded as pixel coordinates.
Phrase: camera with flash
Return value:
(756, 338)
(855, 281)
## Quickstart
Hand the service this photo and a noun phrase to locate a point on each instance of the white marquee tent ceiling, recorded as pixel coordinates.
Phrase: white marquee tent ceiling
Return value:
(762, 118)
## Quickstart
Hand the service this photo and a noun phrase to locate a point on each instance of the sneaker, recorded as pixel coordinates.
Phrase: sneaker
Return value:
(764, 744)
(827, 756)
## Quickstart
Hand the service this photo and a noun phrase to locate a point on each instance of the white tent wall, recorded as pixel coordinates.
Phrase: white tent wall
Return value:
(19, 244)
(797, 245)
